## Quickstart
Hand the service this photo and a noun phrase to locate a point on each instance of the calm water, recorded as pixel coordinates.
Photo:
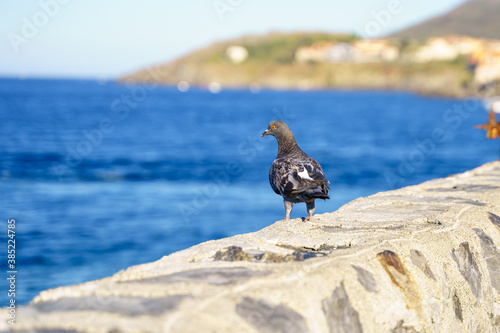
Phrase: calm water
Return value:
(103, 176)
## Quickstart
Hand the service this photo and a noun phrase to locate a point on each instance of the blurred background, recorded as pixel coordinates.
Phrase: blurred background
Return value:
(130, 130)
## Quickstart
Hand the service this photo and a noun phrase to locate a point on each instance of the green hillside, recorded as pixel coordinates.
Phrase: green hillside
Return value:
(271, 63)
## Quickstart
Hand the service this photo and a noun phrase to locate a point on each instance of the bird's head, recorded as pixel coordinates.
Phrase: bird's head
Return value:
(276, 128)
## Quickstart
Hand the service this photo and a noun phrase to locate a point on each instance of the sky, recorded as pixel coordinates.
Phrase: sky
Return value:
(107, 39)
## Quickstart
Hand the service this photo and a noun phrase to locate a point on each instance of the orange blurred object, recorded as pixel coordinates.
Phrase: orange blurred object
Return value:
(492, 127)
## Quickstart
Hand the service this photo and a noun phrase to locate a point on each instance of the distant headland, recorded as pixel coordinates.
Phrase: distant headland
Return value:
(451, 59)
(452, 65)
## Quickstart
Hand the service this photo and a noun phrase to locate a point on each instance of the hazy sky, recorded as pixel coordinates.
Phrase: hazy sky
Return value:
(109, 38)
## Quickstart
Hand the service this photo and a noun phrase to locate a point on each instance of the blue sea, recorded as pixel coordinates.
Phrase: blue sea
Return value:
(100, 176)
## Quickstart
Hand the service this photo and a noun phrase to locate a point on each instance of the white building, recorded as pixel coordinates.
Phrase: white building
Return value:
(361, 51)
(448, 48)
(318, 52)
(488, 67)
(374, 50)
(436, 49)
(338, 53)
(237, 54)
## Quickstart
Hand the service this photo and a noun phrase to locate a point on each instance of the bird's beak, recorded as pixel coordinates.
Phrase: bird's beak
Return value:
(266, 132)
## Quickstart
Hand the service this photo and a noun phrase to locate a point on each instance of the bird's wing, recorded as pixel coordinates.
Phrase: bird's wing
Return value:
(294, 176)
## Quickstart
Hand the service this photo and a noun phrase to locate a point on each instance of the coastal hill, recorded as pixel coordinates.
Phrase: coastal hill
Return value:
(457, 54)
(271, 62)
(476, 18)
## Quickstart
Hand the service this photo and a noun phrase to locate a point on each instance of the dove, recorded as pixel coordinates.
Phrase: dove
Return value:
(294, 175)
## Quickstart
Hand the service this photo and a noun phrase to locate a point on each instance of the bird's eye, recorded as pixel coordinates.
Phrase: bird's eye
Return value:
(273, 127)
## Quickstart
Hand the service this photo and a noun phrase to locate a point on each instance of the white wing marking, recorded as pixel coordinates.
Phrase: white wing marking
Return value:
(305, 175)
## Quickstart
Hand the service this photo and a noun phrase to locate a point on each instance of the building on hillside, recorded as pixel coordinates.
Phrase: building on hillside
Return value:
(361, 51)
(448, 48)
(465, 45)
(436, 49)
(374, 50)
(488, 65)
(317, 52)
(237, 54)
(339, 53)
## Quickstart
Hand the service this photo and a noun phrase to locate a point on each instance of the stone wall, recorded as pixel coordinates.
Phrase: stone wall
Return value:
(419, 259)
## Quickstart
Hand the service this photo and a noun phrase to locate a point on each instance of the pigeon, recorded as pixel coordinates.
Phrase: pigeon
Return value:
(294, 175)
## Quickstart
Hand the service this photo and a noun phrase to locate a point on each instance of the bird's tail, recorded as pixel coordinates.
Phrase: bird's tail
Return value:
(320, 192)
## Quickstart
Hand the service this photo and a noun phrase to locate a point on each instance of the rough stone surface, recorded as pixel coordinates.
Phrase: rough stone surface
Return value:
(468, 267)
(495, 219)
(366, 279)
(418, 259)
(492, 257)
(236, 253)
(215, 275)
(457, 306)
(402, 328)
(127, 306)
(270, 319)
(423, 258)
(340, 315)
(400, 276)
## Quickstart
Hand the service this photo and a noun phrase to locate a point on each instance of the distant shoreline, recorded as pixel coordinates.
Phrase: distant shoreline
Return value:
(298, 89)
(205, 87)
(450, 66)
(405, 87)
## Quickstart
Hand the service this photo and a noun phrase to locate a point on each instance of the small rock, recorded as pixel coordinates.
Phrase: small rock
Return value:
(366, 279)
(236, 253)
(457, 306)
(231, 253)
(418, 259)
(468, 267)
(269, 318)
(401, 328)
(492, 257)
(495, 219)
(216, 275)
(341, 316)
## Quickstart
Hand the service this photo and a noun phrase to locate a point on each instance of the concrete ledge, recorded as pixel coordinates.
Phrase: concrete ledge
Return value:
(419, 259)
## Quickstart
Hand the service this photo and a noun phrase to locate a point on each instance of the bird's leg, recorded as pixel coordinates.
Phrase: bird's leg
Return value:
(310, 210)
(288, 209)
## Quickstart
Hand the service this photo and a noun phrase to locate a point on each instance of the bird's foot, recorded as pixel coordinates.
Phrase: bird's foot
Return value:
(310, 218)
